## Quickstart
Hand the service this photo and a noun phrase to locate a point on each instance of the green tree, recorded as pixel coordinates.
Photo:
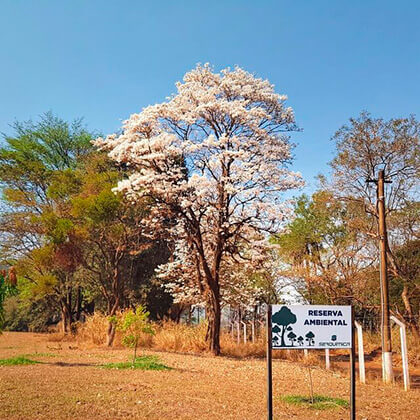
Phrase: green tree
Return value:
(114, 238)
(133, 324)
(32, 226)
(75, 242)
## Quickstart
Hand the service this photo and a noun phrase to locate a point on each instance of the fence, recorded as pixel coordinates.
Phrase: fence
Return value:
(243, 331)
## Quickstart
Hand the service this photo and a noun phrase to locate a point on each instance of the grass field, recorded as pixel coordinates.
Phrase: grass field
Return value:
(72, 383)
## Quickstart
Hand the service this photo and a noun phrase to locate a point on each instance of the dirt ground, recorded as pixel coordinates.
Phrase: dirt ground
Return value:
(69, 384)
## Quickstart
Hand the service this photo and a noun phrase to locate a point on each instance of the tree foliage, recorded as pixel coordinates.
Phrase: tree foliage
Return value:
(214, 159)
(33, 228)
(364, 147)
(74, 241)
(328, 261)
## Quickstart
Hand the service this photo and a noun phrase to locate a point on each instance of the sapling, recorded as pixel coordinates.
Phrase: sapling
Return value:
(133, 324)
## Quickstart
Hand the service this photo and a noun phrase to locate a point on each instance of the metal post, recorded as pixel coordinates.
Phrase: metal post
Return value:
(327, 359)
(360, 353)
(383, 245)
(404, 356)
(352, 370)
(269, 367)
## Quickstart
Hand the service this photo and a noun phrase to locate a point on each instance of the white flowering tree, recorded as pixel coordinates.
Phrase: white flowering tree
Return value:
(213, 159)
(244, 281)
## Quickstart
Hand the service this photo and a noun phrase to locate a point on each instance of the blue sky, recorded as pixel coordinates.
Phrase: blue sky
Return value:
(104, 60)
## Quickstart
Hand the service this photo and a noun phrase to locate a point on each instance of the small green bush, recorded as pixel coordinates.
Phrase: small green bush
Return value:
(321, 402)
(142, 363)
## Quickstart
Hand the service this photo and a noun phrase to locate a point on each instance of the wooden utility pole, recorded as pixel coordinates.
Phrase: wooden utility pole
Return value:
(383, 246)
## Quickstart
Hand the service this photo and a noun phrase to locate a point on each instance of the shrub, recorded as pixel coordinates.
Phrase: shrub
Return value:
(133, 324)
(142, 363)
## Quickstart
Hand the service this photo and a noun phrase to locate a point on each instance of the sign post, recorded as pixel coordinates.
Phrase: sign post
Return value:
(352, 370)
(269, 367)
(310, 327)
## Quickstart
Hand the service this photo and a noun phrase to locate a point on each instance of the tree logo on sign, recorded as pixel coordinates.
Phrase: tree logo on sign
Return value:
(282, 331)
(283, 319)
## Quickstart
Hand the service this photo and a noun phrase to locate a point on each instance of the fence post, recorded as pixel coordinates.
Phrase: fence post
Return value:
(244, 324)
(253, 331)
(404, 355)
(360, 353)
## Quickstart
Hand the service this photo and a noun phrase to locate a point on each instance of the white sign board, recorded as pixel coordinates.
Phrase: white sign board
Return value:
(311, 327)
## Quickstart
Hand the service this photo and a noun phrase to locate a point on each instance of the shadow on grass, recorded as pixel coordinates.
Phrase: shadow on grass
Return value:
(72, 364)
(142, 363)
(321, 402)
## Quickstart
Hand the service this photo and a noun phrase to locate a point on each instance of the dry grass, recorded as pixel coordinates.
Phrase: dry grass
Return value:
(94, 329)
(180, 337)
(176, 337)
(57, 337)
(72, 386)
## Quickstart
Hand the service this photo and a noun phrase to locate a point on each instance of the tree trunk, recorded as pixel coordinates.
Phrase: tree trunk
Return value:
(66, 312)
(175, 312)
(111, 326)
(110, 334)
(135, 352)
(189, 315)
(116, 298)
(214, 318)
(65, 319)
(78, 303)
(411, 320)
(208, 312)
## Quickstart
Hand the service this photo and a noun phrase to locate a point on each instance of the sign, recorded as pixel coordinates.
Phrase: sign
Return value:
(311, 327)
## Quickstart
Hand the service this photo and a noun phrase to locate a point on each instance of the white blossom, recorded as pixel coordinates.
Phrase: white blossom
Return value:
(214, 158)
